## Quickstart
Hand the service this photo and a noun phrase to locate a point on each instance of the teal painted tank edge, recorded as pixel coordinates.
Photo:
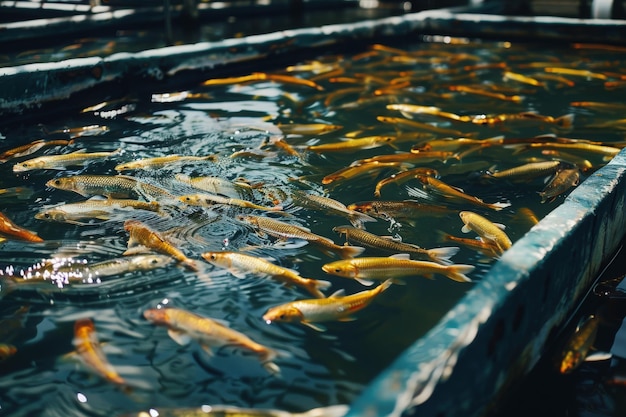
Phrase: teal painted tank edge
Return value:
(501, 328)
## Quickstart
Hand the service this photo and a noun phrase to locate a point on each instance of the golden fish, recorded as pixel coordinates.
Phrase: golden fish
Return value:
(361, 237)
(240, 264)
(261, 76)
(471, 90)
(31, 148)
(408, 110)
(564, 121)
(351, 145)
(184, 326)
(78, 158)
(284, 230)
(526, 171)
(578, 345)
(215, 185)
(607, 152)
(454, 144)
(366, 269)
(418, 125)
(232, 411)
(89, 350)
(208, 200)
(485, 247)
(407, 157)
(12, 231)
(334, 308)
(560, 183)
(485, 229)
(307, 128)
(142, 235)
(364, 168)
(524, 79)
(575, 72)
(450, 192)
(402, 177)
(161, 161)
(330, 205)
(90, 130)
(93, 209)
(114, 186)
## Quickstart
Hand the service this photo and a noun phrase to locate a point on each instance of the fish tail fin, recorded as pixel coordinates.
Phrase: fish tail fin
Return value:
(443, 255)
(565, 121)
(457, 272)
(315, 287)
(267, 361)
(191, 264)
(347, 251)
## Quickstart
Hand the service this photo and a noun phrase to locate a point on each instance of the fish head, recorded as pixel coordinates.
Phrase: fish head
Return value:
(24, 166)
(221, 259)
(63, 183)
(464, 215)
(51, 215)
(191, 199)
(284, 313)
(156, 315)
(131, 224)
(342, 268)
(83, 326)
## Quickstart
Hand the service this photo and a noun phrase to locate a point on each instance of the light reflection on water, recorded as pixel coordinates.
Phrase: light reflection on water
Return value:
(317, 368)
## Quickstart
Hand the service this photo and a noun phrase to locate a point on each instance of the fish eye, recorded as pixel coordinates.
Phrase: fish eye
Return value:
(213, 256)
(337, 269)
(46, 215)
(154, 261)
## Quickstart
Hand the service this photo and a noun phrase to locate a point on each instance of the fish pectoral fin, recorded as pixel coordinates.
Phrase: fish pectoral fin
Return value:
(465, 229)
(500, 226)
(401, 256)
(347, 318)
(598, 356)
(179, 337)
(316, 327)
(238, 273)
(366, 282)
(337, 294)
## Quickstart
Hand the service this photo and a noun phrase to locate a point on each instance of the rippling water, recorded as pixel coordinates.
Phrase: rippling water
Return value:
(235, 122)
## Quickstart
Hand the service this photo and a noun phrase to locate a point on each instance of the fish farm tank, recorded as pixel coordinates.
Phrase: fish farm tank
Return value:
(383, 211)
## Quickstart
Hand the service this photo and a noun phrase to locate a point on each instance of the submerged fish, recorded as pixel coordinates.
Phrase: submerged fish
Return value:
(141, 236)
(114, 186)
(560, 183)
(367, 269)
(284, 230)
(402, 209)
(336, 307)
(208, 200)
(100, 209)
(6, 351)
(216, 185)
(232, 411)
(61, 162)
(578, 345)
(239, 264)
(89, 351)
(31, 148)
(161, 161)
(184, 326)
(527, 171)
(388, 244)
(351, 145)
(450, 192)
(330, 205)
(486, 230)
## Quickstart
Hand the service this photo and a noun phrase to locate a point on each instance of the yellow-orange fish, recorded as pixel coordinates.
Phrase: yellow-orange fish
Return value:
(12, 231)
(240, 264)
(184, 326)
(336, 307)
(89, 351)
(486, 230)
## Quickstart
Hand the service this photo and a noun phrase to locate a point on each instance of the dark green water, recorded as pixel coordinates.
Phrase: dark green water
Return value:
(234, 122)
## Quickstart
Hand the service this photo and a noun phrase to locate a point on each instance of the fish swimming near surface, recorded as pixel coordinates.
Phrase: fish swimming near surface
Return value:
(388, 244)
(184, 326)
(94, 208)
(486, 230)
(282, 230)
(240, 264)
(561, 182)
(61, 162)
(162, 161)
(208, 200)
(32, 147)
(368, 269)
(330, 205)
(216, 185)
(90, 352)
(114, 186)
(336, 307)
(142, 236)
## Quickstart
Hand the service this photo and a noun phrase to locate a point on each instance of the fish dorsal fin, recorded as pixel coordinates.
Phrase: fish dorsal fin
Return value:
(395, 238)
(179, 337)
(401, 256)
(79, 151)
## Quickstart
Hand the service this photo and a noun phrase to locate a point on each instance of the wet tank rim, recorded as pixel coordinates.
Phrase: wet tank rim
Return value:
(472, 353)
